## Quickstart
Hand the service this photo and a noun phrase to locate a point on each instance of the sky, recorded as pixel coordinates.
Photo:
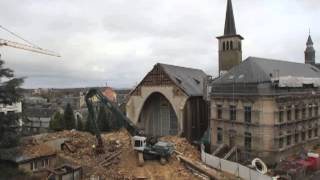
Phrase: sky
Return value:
(117, 42)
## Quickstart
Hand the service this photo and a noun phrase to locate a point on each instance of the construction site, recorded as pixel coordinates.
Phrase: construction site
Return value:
(255, 119)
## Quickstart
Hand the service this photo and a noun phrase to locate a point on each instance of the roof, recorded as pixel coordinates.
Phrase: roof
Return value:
(258, 70)
(229, 27)
(26, 153)
(188, 79)
(309, 42)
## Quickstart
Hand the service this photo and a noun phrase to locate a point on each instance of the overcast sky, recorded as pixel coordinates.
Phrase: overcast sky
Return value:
(119, 41)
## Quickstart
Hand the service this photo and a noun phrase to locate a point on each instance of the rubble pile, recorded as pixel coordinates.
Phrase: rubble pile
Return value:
(120, 160)
(184, 147)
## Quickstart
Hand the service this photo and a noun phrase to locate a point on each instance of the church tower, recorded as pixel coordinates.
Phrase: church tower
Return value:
(310, 53)
(230, 52)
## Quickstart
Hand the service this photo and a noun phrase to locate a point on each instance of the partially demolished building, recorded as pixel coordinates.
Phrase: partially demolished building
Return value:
(169, 101)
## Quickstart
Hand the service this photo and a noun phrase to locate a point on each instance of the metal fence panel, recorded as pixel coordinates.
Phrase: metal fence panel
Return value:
(244, 172)
(229, 167)
(258, 176)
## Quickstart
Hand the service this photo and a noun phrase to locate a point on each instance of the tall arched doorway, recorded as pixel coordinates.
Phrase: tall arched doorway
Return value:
(158, 117)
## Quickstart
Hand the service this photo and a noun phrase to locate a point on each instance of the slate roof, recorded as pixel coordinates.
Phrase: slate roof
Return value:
(229, 27)
(309, 42)
(258, 70)
(189, 79)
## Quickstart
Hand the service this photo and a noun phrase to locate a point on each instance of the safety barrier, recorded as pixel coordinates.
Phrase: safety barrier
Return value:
(232, 167)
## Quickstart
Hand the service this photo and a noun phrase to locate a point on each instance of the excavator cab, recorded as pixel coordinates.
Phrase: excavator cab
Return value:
(139, 143)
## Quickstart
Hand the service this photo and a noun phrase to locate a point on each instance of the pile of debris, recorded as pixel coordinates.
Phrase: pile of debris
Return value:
(120, 160)
(183, 147)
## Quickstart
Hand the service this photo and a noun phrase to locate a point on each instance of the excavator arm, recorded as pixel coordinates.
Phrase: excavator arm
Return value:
(92, 97)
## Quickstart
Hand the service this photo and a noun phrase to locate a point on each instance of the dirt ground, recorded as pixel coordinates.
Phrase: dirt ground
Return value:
(125, 165)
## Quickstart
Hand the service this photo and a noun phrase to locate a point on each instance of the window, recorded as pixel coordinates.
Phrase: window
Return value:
(280, 142)
(296, 138)
(231, 45)
(303, 136)
(289, 114)
(316, 132)
(239, 44)
(224, 45)
(316, 110)
(219, 136)
(219, 111)
(233, 112)
(281, 116)
(247, 141)
(303, 113)
(296, 114)
(310, 110)
(247, 114)
(309, 133)
(227, 45)
(137, 143)
(288, 140)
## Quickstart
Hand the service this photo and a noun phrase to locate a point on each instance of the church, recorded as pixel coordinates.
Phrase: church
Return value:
(261, 107)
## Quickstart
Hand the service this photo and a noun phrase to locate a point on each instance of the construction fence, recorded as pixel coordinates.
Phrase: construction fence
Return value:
(232, 167)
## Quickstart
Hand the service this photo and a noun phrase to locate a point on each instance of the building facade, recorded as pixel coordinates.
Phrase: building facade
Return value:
(169, 101)
(266, 108)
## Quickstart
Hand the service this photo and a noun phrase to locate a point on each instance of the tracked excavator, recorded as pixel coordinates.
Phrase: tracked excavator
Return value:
(147, 147)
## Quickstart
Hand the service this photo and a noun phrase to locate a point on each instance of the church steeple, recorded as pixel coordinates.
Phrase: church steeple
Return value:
(310, 53)
(229, 26)
(230, 48)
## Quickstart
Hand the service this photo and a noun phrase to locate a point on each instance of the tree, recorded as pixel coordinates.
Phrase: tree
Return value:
(68, 118)
(8, 94)
(79, 124)
(57, 122)
(103, 119)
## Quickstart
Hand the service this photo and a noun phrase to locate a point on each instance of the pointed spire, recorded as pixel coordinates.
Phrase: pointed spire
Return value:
(309, 42)
(229, 27)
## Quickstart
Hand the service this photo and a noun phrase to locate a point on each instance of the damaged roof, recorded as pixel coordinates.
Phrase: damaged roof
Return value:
(26, 153)
(189, 79)
(259, 70)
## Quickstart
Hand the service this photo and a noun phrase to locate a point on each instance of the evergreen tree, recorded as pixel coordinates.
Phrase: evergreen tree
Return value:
(79, 124)
(57, 122)
(8, 94)
(68, 118)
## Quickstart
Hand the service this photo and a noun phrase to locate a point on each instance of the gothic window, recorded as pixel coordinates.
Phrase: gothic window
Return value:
(224, 46)
(231, 45)
(227, 45)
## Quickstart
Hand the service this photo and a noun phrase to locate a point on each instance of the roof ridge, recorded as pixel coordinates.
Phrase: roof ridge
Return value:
(191, 68)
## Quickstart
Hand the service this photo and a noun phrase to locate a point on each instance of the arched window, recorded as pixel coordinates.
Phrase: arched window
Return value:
(231, 45)
(227, 45)
(224, 46)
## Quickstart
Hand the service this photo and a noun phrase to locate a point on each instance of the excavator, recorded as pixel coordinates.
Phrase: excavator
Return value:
(147, 147)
